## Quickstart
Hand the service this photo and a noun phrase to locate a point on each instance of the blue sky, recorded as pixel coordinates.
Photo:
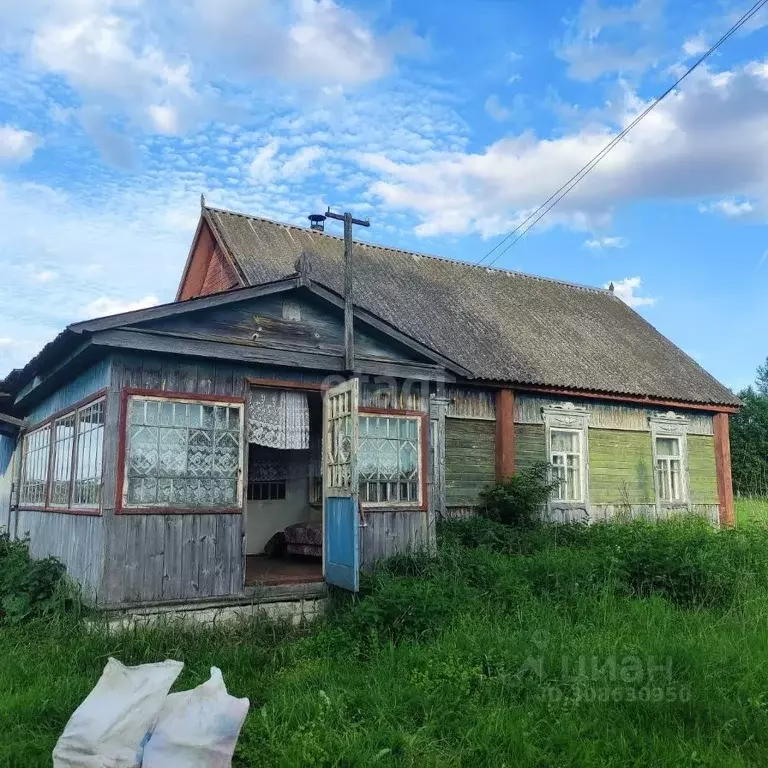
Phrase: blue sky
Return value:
(444, 122)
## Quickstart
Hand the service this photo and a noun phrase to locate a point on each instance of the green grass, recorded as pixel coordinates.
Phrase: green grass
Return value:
(609, 646)
(751, 509)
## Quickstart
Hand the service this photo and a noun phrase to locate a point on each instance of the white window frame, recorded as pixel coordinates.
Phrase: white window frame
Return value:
(670, 425)
(568, 417)
(171, 508)
(50, 425)
(554, 467)
(419, 502)
(46, 455)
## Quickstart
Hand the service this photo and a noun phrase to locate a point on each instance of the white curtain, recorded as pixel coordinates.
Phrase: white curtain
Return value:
(278, 418)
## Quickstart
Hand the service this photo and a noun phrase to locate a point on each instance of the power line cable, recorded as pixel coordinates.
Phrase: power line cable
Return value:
(559, 194)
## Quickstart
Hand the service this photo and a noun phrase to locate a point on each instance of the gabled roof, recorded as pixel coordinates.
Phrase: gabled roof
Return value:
(501, 326)
(82, 341)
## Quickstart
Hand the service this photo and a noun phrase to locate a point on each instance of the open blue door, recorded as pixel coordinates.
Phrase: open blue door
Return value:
(341, 537)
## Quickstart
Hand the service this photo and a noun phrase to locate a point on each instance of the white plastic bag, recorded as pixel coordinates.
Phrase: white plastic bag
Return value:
(111, 726)
(197, 728)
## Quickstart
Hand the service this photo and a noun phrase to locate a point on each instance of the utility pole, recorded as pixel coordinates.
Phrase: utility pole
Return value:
(349, 331)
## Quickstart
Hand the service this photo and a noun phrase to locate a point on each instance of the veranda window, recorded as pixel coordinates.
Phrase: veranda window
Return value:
(35, 465)
(182, 454)
(566, 457)
(389, 462)
(62, 461)
(669, 468)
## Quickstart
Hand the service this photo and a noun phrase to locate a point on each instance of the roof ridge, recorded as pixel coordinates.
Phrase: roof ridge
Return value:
(460, 262)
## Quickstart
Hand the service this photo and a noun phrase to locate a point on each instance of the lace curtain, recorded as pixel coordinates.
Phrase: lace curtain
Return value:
(278, 419)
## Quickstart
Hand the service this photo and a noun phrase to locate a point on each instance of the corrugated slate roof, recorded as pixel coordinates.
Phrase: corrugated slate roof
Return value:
(502, 326)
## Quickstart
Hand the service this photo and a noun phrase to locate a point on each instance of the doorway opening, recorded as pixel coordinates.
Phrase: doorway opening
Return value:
(284, 492)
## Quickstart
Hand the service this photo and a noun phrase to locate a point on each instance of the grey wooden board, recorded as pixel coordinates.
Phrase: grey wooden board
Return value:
(608, 415)
(471, 403)
(388, 533)
(172, 557)
(76, 540)
(260, 321)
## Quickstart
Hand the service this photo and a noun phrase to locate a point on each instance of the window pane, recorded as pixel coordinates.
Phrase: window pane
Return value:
(88, 456)
(35, 467)
(63, 443)
(565, 457)
(389, 459)
(565, 442)
(667, 446)
(190, 459)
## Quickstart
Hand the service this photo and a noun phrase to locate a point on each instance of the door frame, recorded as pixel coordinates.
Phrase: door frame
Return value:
(253, 382)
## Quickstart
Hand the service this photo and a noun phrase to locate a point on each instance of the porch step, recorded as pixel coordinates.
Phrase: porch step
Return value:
(293, 602)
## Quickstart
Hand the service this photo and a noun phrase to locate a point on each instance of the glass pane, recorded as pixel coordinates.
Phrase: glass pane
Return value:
(166, 414)
(89, 454)
(190, 459)
(674, 480)
(564, 442)
(35, 467)
(667, 446)
(63, 444)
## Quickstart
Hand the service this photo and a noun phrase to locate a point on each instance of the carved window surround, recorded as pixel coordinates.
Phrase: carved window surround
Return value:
(570, 418)
(670, 424)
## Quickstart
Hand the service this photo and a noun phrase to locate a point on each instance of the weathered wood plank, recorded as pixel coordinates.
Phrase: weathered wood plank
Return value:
(207, 547)
(190, 566)
(153, 553)
(173, 588)
(608, 415)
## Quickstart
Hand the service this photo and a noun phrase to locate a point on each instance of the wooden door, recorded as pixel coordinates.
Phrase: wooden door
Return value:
(341, 536)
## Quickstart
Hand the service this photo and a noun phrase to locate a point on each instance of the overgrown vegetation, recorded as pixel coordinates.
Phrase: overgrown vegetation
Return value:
(518, 501)
(749, 439)
(31, 588)
(534, 646)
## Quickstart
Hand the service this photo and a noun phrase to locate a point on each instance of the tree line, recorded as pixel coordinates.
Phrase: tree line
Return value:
(749, 438)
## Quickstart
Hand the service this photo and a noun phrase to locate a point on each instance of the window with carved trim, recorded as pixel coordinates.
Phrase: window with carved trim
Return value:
(182, 453)
(389, 459)
(669, 469)
(567, 459)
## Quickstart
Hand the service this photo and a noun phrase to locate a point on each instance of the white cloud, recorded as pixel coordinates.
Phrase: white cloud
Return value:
(44, 276)
(730, 207)
(263, 167)
(695, 46)
(592, 47)
(706, 140)
(164, 117)
(269, 164)
(495, 109)
(627, 289)
(17, 145)
(606, 242)
(105, 305)
(300, 41)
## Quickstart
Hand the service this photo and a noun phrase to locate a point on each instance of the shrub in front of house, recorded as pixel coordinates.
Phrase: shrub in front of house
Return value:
(30, 588)
(519, 500)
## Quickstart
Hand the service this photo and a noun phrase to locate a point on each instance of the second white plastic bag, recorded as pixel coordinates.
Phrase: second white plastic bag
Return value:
(197, 728)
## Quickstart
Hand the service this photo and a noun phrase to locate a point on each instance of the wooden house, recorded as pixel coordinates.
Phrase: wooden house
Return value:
(158, 453)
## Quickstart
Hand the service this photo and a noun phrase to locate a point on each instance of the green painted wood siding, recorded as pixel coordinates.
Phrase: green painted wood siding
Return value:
(620, 467)
(470, 459)
(530, 447)
(702, 474)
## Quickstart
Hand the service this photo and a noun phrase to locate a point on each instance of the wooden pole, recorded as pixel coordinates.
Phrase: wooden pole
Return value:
(723, 469)
(349, 305)
(349, 316)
